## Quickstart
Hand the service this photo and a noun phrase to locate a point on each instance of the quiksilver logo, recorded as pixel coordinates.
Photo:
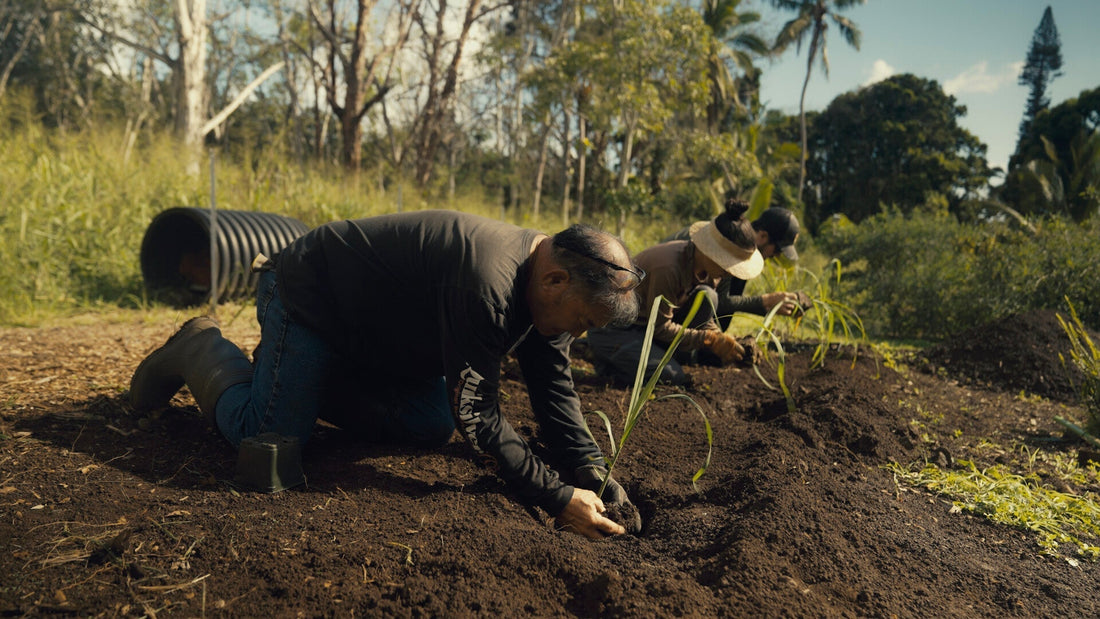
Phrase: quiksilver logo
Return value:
(468, 397)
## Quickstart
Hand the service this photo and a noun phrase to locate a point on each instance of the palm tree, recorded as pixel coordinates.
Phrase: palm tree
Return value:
(731, 43)
(1071, 187)
(810, 21)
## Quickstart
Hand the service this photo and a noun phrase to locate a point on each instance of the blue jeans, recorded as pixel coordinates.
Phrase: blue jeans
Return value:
(298, 378)
(618, 350)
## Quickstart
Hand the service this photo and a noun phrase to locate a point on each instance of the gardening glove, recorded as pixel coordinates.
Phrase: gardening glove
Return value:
(619, 507)
(724, 346)
(804, 301)
(752, 353)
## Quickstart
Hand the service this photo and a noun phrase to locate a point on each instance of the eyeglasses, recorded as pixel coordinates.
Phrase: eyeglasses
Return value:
(635, 276)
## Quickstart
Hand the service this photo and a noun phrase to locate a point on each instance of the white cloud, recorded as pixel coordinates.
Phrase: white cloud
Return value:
(880, 70)
(977, 78)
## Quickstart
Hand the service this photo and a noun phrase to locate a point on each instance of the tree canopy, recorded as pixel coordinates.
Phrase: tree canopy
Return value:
(897, 143)
(609, 108)
(1056, 166)
(1044, 63)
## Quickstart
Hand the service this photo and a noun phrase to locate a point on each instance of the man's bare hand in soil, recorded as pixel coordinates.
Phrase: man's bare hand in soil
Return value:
(583, 515)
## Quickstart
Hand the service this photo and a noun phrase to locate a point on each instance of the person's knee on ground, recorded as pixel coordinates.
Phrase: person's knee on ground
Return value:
(621, 362)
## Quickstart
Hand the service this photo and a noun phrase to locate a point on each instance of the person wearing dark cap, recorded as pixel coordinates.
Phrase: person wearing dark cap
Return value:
(715, 250)
(774, 233)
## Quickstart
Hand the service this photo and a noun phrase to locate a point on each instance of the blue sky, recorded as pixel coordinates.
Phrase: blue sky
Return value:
(973, 48)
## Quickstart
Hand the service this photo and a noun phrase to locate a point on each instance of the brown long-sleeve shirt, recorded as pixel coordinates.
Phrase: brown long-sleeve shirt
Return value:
(670, 273)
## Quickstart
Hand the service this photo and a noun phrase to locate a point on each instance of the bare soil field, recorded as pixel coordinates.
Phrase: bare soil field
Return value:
(104, 512)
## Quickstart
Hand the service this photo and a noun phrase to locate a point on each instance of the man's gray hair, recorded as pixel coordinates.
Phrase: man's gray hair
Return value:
(579, 249)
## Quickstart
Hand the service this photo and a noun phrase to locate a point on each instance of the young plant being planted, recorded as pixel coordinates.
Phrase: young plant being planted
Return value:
(641, 395)
(827, 322)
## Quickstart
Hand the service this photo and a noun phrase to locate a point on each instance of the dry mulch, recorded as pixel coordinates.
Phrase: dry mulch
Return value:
(107, 513)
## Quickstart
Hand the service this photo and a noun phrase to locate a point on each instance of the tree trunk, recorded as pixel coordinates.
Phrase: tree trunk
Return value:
(9, 63)
(191, 73)
(543, 148)
(566, 168)
(519, 128)
(582, 158)
(434, 112)
(351, 127)
(802, 112)
(294, 113)
(624, 169)
(134, 125)
(360, 70)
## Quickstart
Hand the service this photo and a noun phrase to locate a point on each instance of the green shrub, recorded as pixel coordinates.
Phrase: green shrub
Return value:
(927, 276)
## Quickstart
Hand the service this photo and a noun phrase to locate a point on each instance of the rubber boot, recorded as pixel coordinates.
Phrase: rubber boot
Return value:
(197, 355)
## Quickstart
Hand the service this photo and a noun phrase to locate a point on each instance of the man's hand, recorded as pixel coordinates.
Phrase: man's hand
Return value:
(789, 302)
(583, 515)
(725, 346)
(591, 476)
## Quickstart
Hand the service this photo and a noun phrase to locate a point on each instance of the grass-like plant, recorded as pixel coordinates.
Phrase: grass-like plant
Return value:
(766, 337)
(77, 204)
(1085, 357)
(641, 395)
(1019, 501)
(827, 322)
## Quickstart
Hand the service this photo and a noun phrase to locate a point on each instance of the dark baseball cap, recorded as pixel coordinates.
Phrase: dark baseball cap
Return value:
(782, 228)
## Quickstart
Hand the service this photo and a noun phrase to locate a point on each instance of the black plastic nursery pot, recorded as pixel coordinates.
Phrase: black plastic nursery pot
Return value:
(270, 463)
(175, 252)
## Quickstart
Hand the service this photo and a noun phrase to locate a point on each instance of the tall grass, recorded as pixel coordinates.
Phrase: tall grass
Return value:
(76, 206)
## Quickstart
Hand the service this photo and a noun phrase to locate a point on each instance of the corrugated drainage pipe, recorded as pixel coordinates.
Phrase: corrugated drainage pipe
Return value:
(175, 252)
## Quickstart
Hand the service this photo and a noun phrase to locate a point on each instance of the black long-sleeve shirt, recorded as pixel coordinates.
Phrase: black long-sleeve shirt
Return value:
(434, 293)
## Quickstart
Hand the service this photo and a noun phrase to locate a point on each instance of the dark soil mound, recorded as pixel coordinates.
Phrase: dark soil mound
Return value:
(104, 512)
(1017, 353)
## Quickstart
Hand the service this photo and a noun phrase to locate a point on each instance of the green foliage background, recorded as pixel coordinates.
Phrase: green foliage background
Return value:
(928, 276)
(76, 207)
(75, 210)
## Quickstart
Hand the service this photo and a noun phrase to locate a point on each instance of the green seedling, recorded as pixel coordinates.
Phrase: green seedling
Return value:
(830, 321)
(1085, 357)
(825, 321)
(642, 393)
(765, 336)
